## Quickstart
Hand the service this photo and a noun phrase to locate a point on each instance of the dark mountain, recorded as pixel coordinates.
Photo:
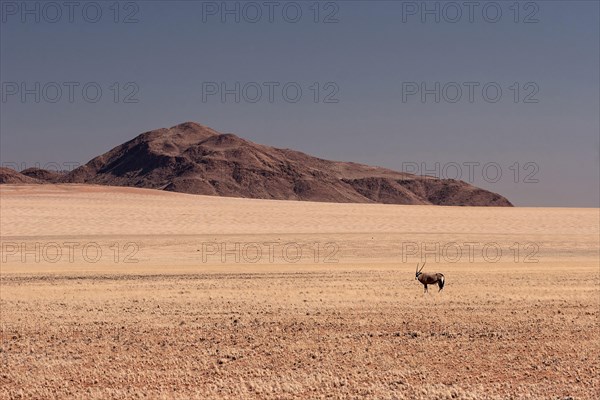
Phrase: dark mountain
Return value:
(191, 158)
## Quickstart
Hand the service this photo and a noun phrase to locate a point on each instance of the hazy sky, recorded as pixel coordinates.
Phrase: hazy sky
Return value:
(489, 87)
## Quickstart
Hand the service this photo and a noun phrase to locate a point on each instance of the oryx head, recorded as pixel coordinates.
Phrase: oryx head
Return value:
(419, 271)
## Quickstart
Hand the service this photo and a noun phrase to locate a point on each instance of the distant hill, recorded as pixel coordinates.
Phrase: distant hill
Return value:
(10, 176)
(43, 174)
(191, 158)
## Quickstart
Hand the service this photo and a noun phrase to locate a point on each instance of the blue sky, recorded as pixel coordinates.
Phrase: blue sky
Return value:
(357, 64)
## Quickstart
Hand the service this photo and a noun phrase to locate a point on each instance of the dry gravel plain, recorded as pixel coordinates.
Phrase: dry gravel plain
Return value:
(145, 294)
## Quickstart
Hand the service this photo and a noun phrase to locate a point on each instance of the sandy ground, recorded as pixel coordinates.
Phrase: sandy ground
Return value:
(126, 293)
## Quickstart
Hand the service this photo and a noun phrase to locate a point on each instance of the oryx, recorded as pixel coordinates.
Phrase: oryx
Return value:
(429, 279)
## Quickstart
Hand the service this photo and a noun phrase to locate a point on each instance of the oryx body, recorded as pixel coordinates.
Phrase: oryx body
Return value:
(427, 278)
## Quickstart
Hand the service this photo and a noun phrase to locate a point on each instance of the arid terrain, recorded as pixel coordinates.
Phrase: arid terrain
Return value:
(134, 293)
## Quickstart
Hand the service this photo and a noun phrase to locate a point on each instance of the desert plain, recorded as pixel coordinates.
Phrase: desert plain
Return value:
(110, 292)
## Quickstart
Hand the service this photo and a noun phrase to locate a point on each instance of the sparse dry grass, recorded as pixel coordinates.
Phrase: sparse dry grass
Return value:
(171, 326)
